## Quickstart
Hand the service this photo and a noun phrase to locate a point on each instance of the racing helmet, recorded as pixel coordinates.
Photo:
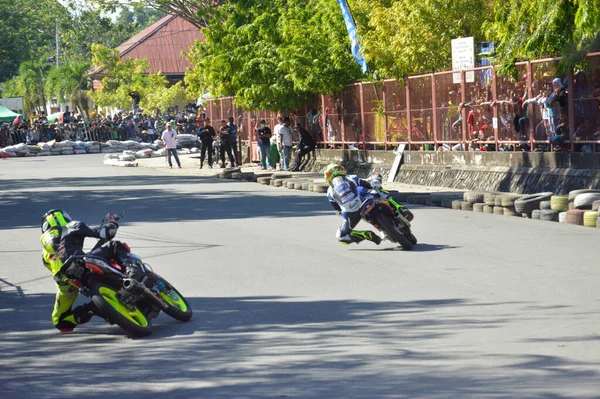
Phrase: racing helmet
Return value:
(333, 170)
(55, 218)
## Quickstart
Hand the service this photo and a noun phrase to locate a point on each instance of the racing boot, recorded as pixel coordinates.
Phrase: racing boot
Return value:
(80, 315)
(357, 236)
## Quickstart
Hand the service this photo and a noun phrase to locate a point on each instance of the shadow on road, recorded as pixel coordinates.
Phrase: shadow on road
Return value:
(262, 347)
(149, 201)
(420, 247)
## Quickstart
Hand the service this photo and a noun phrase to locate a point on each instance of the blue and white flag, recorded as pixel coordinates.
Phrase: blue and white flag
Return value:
(351, 27)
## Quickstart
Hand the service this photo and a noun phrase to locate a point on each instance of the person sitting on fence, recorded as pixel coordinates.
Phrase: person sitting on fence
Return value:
(306, 145)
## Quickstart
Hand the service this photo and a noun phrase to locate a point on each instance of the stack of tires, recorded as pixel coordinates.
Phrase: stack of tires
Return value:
(485, 202)
(536, 206)
(583, 208)
(227, 173)
(579, 207)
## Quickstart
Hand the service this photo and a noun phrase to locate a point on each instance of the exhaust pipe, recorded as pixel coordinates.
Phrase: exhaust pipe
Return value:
(129, 284)
(132, 285)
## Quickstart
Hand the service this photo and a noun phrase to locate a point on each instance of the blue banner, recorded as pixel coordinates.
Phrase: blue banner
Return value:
(351, 27)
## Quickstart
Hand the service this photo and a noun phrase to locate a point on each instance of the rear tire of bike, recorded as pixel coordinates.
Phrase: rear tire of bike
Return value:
(110, 307)
(177, 306)
(392, 231)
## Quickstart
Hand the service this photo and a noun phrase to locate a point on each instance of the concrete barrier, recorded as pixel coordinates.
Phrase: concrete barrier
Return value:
(517, 172)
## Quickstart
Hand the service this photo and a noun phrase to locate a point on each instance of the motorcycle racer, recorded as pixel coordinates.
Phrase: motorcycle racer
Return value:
(345, 195)
(63, 237)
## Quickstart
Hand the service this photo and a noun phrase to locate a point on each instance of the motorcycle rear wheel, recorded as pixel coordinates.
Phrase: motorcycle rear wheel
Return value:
(129, 317)
(394, 233)
(177, 306)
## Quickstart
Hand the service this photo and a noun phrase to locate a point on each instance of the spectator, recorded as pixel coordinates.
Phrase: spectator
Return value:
(457, 125)
(556, 103)
(150, 128)
(263, 135)
(313, 124)
(274, 146)
(226, 144)
(207, 136)
(284, 142)
(233, 131)
(169, 137)
(306, 145)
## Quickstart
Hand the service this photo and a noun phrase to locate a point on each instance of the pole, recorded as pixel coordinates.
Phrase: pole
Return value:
(57, 46)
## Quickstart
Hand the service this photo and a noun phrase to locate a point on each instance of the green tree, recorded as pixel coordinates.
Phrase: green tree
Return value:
(70, 83)
(28, 32)
(29, 84)
(139, 16)
(123, 77)
(542, 28)
(198, 12)
(402, 37)
(272, 55)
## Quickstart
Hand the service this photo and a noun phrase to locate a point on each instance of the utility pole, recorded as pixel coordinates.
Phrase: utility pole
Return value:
(57, 46)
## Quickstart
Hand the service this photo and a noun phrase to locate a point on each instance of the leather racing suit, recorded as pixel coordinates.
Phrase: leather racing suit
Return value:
(71, 238)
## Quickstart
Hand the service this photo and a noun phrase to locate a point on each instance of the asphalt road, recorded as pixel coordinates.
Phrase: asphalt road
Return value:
(485, 306)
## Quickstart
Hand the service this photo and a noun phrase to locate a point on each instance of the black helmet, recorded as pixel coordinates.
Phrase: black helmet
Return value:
(54, 218)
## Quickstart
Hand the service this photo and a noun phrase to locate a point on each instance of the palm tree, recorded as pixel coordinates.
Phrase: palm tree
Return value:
(70, 83)
(30, 82)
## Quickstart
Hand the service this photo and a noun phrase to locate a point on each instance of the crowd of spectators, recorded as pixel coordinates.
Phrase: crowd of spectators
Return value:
(138, 126)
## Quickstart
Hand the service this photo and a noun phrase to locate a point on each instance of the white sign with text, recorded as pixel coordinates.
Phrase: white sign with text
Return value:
(463, 57)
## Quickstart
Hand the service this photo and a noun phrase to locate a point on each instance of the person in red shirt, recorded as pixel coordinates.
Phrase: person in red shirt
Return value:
(470, 119)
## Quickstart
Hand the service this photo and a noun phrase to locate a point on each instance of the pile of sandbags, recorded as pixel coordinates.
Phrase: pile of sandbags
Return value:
(34, 151)
(116, 146)
(131, 149)
(66, 147)
(92, 147)
(186, 140)
(147, 153)
(125, 160)
(45, 149)
(79, 148)
(17, 150)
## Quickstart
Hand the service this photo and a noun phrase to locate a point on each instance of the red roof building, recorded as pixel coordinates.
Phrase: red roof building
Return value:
(161, 44)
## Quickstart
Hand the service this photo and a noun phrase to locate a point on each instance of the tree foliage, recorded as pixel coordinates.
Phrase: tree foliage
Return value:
(69, 83)
(198, 12)
(402, 37)
(29, 84)
(541, 28)
(272, 55)
(28, 32)
(124, 77)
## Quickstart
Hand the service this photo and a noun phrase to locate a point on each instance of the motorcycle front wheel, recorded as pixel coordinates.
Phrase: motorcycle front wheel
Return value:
(394, 232)
(177, 306)
(129, 317)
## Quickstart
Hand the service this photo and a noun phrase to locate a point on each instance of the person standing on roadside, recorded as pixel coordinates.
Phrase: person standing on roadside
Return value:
(207, 136)
(263, 136)
(274, 147)
(169, 137)
(233, 131)
(284, 143)
(226, 144)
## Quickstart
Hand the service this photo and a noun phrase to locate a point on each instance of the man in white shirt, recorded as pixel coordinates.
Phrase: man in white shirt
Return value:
(275, 139)
(169, 137)
(284, 142)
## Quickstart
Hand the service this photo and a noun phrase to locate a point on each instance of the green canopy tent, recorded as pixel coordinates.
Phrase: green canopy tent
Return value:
(6, 115)
(55, 117)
